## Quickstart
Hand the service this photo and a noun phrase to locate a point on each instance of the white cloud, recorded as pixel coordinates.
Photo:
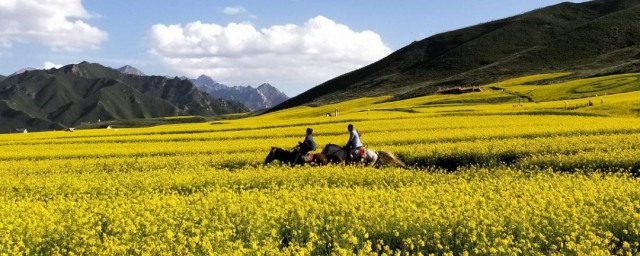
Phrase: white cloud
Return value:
(56, 24)
(285, 55)
(50, 65)
(234, 10)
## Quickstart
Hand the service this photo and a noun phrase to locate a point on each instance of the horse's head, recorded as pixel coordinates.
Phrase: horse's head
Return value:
(334, 153)
(271, 156)
(331, 149)
(325, 149)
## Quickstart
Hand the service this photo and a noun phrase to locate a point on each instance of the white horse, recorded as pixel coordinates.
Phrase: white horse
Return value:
(338, 154)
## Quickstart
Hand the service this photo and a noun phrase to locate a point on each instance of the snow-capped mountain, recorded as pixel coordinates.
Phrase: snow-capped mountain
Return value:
(129, 70)
(22, 71)
(261, 97)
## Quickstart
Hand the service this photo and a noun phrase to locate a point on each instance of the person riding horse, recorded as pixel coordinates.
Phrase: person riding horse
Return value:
(353, 145)
(304, 147)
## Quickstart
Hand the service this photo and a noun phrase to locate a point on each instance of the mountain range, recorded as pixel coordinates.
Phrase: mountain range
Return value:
(88, 92)
(261, 97)
(587, 39)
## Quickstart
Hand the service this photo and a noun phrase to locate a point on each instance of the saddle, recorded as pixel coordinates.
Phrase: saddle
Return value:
(308, 157)
(362, 152)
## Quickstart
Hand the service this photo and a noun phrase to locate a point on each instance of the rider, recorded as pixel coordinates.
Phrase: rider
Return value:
(304, 147)
(354, 144)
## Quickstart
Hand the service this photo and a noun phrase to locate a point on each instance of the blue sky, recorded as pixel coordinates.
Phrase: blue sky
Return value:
(291, 44)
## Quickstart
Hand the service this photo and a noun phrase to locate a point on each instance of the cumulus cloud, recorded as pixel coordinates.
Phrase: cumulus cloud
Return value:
(286, 55)
(57, 24)
(234, 10)
(50, 65)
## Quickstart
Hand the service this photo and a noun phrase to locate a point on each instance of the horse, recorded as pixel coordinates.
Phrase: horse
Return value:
(338, 154)
(287, 157)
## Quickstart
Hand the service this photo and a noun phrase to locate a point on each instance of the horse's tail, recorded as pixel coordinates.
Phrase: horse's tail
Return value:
(385, 157)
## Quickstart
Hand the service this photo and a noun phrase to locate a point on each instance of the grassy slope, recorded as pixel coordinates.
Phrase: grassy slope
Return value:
(621, 98)
(590, 87)
(592, 38)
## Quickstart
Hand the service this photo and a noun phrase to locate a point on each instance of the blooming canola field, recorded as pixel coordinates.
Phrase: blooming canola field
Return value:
(482, 179)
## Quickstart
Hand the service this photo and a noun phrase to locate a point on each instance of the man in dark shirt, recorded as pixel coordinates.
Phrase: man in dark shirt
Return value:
(304, 147)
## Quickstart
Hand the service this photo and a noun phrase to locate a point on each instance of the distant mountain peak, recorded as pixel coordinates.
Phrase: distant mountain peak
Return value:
(207, 84)
(205, 79)
(130, 70)
(266, 86)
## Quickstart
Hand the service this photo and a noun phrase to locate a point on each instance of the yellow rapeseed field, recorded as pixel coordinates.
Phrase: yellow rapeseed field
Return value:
(483, 179)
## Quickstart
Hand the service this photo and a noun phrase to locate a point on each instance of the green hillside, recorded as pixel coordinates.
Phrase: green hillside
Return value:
(589, 39)
(85, 93)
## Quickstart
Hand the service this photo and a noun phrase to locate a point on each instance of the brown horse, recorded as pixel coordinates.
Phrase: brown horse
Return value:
(287, 157)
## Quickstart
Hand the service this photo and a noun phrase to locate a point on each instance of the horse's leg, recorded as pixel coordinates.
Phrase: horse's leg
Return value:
(335, 159)
(345, 157)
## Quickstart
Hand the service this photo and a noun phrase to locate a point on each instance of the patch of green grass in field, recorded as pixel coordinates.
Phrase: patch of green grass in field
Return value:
(581, 88)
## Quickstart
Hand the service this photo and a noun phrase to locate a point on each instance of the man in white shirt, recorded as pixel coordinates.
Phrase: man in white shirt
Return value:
(354, 144)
